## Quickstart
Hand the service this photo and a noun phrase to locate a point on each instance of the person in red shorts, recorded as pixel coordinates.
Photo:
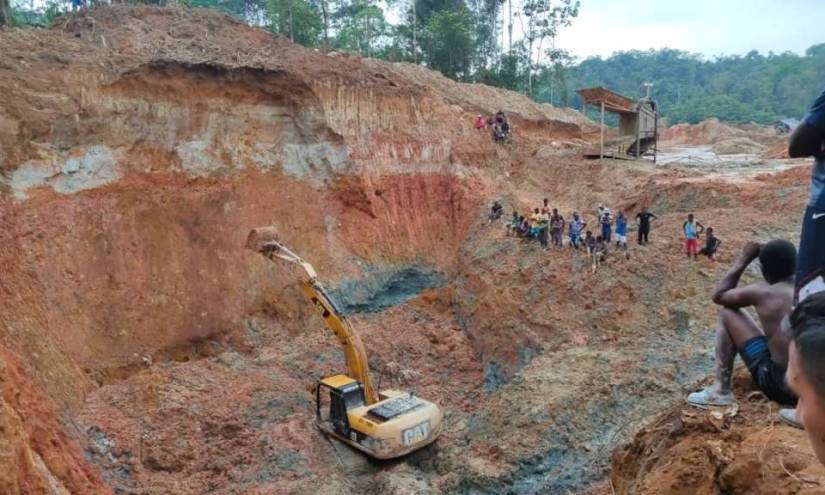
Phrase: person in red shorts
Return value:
(692, 229)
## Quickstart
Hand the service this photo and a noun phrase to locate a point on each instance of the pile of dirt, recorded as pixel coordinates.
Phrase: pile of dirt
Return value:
(726, 138)
(738, 146)
(724, 450)
(777, 152)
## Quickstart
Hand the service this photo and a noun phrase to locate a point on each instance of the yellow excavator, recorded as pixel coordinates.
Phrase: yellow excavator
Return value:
(383, 424)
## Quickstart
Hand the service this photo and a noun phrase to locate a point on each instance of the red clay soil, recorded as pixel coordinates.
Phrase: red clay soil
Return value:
(141, 144)
(38, 455)
(712, 131)
(699, 452)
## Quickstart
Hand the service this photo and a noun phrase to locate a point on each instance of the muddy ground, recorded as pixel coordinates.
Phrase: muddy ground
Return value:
(145, 351)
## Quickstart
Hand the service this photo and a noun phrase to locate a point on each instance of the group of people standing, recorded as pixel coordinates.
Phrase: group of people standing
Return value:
(547, 226)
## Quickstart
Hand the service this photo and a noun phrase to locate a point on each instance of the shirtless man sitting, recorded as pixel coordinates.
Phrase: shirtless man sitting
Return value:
(764, 351)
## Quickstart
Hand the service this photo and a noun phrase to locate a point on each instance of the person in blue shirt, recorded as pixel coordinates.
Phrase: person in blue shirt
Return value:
(808, 139)
(607, 227)
(692, 228)
(576, 227)
(621, 231)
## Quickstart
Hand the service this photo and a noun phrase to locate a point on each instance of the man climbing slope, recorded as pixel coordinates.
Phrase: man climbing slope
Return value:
(765, 350)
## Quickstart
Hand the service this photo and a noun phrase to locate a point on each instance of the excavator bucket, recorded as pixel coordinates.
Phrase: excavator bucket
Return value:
(259, 237)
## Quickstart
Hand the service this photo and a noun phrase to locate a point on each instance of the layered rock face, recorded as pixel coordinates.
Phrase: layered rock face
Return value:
(138, 146)
(143, 349)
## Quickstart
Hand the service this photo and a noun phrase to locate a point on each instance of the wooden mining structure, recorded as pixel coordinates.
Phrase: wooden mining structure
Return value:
(638, 124)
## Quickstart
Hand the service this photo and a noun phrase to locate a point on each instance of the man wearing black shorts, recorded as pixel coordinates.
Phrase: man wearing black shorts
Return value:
(765, 350)
(808, 139)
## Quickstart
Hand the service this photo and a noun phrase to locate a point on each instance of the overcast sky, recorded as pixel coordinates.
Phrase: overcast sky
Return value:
(710, 27)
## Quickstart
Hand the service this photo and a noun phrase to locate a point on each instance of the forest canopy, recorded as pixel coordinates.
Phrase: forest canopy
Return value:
(473, 41)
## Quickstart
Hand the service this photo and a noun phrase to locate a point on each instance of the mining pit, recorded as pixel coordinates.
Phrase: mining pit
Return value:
(143, 350)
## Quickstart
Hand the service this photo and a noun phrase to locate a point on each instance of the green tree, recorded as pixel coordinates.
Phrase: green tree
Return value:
(754, 87)
(298, 20)
(510, 70)
(251, 11)
(448, 43)
(544, 19)
(361, 25)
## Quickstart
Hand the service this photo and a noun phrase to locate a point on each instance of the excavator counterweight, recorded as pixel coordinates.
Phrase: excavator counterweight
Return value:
(383, 425)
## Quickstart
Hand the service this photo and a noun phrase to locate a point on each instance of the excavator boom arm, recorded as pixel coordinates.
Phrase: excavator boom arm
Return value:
(354, 350)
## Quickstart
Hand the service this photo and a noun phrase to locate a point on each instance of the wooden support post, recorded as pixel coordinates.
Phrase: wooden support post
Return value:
(601, 152)
(655, 108)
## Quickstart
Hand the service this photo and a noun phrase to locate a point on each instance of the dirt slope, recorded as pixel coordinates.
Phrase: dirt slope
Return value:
(747, 450)
(138, 146)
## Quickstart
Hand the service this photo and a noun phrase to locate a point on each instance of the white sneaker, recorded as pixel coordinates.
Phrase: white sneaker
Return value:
(788, 416)
(707, 398)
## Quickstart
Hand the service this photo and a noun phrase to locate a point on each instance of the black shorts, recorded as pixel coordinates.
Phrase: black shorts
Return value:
(811, 258)
(768, 376)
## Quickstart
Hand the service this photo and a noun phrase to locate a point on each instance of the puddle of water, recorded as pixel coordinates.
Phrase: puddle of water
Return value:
(730, 168)
(384, 287)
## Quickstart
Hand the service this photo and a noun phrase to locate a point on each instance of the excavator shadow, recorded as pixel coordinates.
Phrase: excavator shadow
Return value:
(356, 462)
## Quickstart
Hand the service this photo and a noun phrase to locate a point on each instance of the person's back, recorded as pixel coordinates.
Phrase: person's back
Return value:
(774, 303)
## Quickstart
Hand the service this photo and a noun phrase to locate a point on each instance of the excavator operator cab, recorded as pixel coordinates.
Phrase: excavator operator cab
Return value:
(335, 396)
